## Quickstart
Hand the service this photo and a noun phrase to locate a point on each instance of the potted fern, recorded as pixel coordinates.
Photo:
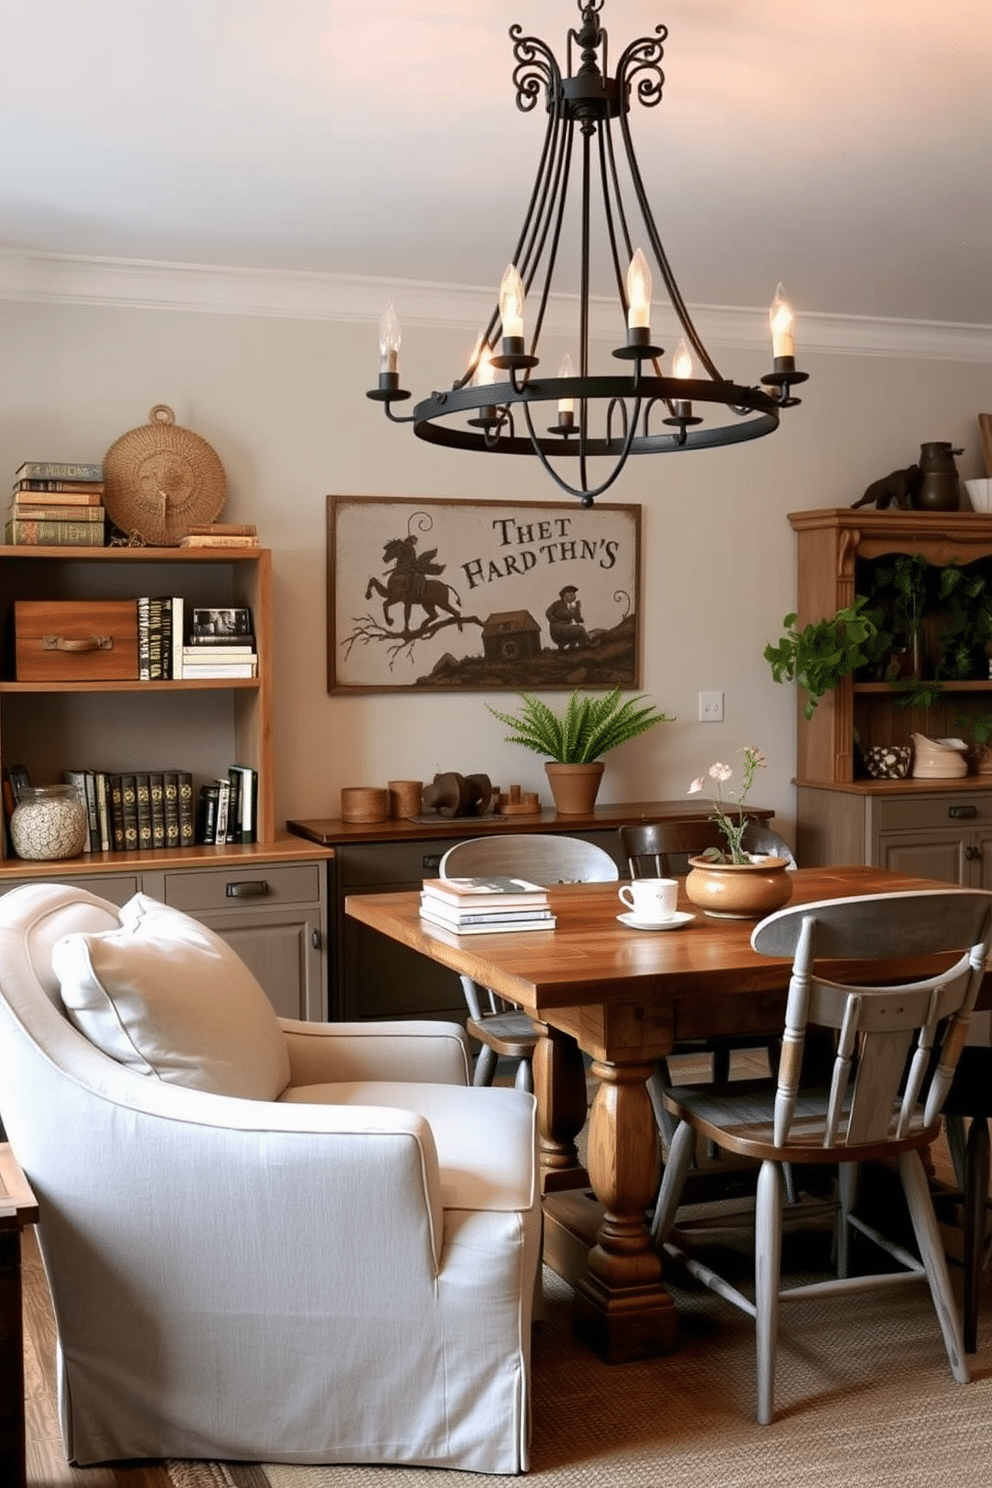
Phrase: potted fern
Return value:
(573, 741)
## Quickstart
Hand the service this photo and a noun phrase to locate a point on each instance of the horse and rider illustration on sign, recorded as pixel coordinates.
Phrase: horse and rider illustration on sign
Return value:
(474, 594)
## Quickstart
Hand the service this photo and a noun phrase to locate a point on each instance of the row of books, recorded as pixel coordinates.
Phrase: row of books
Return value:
(227, 809)
(57, 504)
(135, 810)
(218, 643)
(140, 810)
(480, 906)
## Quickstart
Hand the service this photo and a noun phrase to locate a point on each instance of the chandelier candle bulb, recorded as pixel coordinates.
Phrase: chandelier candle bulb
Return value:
(639, 292)
(682, 369)
(511, 304)
(782, 321)
(389, 341)
(566, 405)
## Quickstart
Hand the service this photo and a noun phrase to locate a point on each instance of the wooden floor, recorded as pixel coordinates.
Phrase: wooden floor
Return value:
(46, 1464)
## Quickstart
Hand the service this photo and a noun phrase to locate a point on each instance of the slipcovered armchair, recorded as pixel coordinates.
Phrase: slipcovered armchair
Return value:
(265, 1240)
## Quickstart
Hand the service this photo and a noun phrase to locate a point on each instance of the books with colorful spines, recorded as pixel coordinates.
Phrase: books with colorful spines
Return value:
(54, 534)
(503, 926)
(58, 470)
(19, 511)
(494, 892)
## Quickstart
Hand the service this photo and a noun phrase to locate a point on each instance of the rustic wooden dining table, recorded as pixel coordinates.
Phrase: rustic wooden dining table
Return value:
(623, 997)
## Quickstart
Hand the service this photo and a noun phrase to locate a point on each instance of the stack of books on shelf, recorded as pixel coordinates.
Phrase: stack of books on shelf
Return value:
(227, 807)
(57, 504)
(222, 535)
(220, 644)
(477, 906)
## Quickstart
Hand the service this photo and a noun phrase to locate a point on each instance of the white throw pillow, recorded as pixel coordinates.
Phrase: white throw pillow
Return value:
(167, 997)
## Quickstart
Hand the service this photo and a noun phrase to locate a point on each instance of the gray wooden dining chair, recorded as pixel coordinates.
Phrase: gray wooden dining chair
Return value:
(897, 1045)
(545, 858)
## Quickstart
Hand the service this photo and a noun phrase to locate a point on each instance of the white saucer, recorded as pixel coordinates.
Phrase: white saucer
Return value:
(679, 918)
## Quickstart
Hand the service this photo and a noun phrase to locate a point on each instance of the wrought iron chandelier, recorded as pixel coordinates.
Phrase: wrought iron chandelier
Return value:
(641, 410)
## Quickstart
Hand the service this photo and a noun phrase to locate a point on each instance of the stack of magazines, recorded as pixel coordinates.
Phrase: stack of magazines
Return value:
(477, 906)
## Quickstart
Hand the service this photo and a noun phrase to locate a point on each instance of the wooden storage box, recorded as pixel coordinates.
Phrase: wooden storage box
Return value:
(76, 640)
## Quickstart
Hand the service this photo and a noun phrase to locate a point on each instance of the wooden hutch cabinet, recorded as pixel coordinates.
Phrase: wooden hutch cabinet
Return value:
(267, 898)
(938, 828)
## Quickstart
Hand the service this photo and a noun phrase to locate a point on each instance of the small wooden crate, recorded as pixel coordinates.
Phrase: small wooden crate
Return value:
(76, 640)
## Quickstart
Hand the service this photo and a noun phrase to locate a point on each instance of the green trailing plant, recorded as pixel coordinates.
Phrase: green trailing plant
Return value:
(587, 728)
(966, 620)
(824, 651)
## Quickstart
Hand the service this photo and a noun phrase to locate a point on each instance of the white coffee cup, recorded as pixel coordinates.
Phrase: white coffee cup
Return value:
(651, 899)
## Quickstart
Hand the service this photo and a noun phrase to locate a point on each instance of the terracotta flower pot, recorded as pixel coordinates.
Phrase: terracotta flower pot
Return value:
(738, 891)
(574, 787)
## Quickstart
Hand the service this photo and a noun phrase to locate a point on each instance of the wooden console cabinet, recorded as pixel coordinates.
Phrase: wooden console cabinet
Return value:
(936, 828)
(371, 976)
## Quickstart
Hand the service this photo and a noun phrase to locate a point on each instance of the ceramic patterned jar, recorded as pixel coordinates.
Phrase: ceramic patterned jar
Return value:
(48, 822)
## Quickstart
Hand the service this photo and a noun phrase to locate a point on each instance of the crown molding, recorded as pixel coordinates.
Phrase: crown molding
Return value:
(65, 279)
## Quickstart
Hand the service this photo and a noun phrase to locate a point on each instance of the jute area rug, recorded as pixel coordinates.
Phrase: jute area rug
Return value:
(864, 1399)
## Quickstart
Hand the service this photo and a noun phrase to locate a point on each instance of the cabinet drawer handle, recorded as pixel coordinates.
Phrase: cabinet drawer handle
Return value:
(253, 888)
(431, 862)
(82, 643)
(962, 813)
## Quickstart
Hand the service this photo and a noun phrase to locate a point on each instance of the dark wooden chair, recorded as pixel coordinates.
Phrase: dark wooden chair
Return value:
(897, 1046)
(970, 1100)
(545, 858)
(662, 850)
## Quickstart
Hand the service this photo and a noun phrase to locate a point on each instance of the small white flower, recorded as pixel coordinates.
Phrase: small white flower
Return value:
(697, 785)
(720, 772)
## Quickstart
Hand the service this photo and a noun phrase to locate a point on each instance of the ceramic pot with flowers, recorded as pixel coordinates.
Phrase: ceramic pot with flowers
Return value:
(734, 884)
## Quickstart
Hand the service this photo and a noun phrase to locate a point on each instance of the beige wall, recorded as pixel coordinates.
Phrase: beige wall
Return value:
(281, 400)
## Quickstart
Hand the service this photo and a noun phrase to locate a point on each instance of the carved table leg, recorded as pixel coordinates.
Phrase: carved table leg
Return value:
(560, 1086)
(622, 1308)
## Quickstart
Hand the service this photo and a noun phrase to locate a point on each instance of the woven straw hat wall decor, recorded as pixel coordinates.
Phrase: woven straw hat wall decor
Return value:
(160, 480)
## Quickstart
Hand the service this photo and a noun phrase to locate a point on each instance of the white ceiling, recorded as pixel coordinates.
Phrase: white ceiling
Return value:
(841, 146)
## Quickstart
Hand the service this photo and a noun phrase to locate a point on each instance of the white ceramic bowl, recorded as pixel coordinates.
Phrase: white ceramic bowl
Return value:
(980, 494)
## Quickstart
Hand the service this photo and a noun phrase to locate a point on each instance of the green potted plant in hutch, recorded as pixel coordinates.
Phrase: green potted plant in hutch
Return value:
(572, 741)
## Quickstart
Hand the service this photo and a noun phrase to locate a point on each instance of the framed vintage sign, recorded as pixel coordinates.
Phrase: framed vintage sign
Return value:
(434, 595)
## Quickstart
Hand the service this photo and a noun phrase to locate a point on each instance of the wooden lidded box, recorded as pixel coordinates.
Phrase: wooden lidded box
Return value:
(76, 640)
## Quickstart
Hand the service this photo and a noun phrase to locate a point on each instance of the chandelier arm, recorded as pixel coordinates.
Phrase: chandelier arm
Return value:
(583, 492)
(610, 176)
(553, 224)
